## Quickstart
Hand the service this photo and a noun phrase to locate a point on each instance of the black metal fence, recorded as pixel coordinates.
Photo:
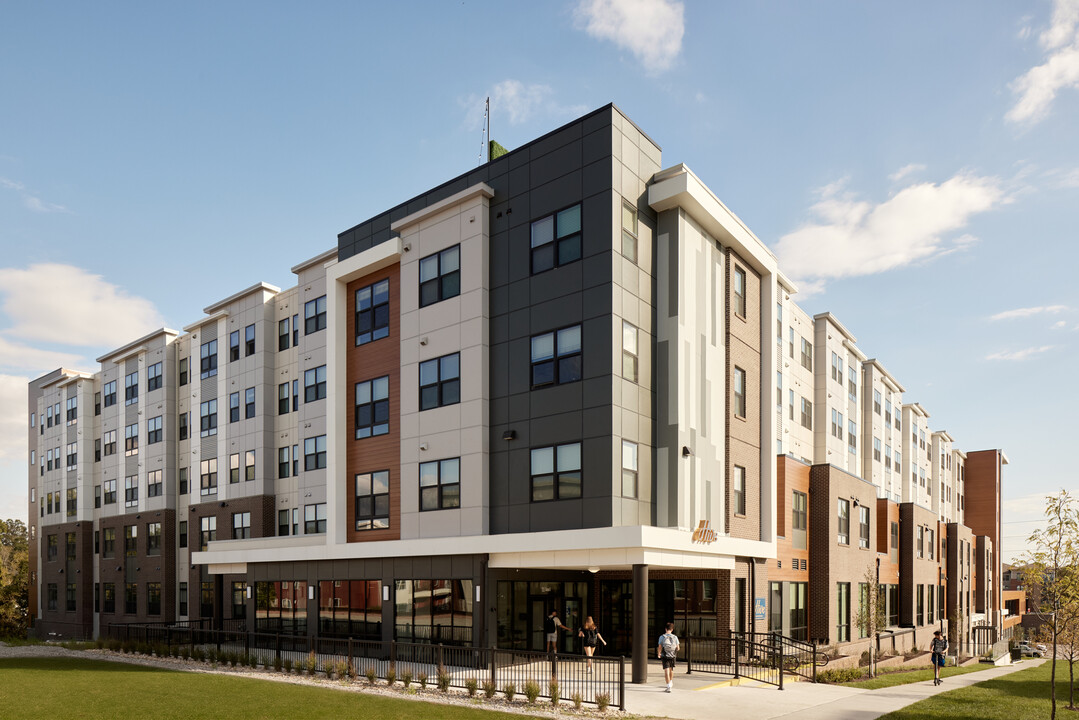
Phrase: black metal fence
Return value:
(574, 674)
(764, 657)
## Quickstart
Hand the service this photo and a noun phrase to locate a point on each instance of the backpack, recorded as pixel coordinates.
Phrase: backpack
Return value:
(549, 626)
(590, 636)
(669, 643)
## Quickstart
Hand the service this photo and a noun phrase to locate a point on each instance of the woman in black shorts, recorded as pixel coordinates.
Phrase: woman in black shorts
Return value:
(591, 636)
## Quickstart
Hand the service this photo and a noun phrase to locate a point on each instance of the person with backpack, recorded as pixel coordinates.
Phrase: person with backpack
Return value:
(667, 652)
(938, 647)
(591, 635)
(551, 627)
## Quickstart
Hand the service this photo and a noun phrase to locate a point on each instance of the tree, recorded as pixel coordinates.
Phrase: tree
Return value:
(1050, 577)
(1068, 635)
(14, 577)
(872, 615)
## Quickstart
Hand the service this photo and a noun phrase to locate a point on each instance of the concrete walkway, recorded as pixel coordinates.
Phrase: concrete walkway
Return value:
(701, 695)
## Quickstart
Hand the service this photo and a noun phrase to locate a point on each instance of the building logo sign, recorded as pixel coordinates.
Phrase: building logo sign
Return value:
(704, 533)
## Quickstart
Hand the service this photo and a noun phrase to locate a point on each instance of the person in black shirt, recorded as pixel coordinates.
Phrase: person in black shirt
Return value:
(591, 636)
(938, 647)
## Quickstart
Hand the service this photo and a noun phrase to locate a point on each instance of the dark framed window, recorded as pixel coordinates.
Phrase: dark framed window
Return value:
(234, 407)
(110, 393)
(440, 276)
(153, 598)
(153, 538)
(373, 407)
(108, 542)
(739, 392)
(282, 399)
(314, 315)
(239, 597)
(131, 540)
(234, 468)
(440, 484)
(52, 596)
(556, 357)
(556, 472)
(372, 500)
(629, 231)
(282, 335)
(296, 330)
(183, 371)
(153, 377)
(241, 525)
(208, 359)
(207, 531)
(72, 410)
(208, 477)
(249, 403)
(843, 512)
(282, 463)
(738, 500)
(282, 523)
(154, 484)
(108, 597)
(182, 532)
(97, 405)
(373, 312)
(53, 547)
(556, 239)
(131, 440)
(799, 519)
(314, 384)
(249, 465)
(314, 453)
(440, 381)
(131, 388)
(184, 418)
(295, 395)
(182, 479)
(208, 418)
(863, 527)
(314, 519)
(110, 491)
(843, 612)
(131, 491)
(249, 340)
(182, 598)
(234, 346)
(153, 430)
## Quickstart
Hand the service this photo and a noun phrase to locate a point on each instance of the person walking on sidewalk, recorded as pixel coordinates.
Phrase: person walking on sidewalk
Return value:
(591, 636)
(667, 652)
(938, 647)
(551, 626)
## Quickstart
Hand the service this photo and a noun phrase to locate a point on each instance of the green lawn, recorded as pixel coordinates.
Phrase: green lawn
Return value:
(891, 678)
(1018, 696)
(78, 688)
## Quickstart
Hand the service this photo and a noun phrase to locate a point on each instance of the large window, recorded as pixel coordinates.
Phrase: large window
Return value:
(208, 418)
(314, 315)
(629, 231)
(208, 359)
(241, 525)
(440, 381)
(739, 292)
(314, 519)
(350, 609)
(131, 388)
(556, 357)
(556, 472)
(110, 491)
(208, 476)
(842, 591)
(314, 384)
(281, 606)
(373, 500)
(738, 499)
(153, 538)
(556, 239)
(844, 521)
(153, 377)
(797, 594)
(207, 531)
(799, 520)
(440, 276)
(154, 483)
(373, 407)
(435, 611)
(314, 453)
(440, 484)
(131, 491)
(373, 312)
(863, 527)
(739, 392)
(131, 440)
(629, 469)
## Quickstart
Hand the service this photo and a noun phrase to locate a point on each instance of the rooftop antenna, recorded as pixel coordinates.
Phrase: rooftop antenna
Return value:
(485, 133)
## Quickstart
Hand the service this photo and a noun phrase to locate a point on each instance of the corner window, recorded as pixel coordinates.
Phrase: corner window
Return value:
(440, 381)
(373, 312)
(440, 484)
(629, 231)
(372, 500)
(556, 357)
(629, 469)
(314, 315)
(556, 239)
(440, 276)
(373, 407)
(739, 292)
(314, 384)
(556, 472)
(630, 338)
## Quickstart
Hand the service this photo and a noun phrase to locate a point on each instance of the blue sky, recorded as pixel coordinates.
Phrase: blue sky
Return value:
(915, 166)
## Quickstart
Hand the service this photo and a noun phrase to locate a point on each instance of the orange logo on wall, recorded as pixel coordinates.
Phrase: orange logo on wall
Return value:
(704, 533)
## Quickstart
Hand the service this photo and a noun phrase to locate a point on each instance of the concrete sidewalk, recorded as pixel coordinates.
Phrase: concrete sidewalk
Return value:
(700, 695)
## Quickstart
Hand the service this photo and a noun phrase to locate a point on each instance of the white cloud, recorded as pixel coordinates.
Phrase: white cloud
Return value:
(1028, 312)
(64, 304)
(1019, 354)
(31, 202)
(10, 184)
(519, 101)
(1039, 86)
(650, 29)
(906, 170)
(1059, 325)
(23, 358)
(850, 237)
(12, 417)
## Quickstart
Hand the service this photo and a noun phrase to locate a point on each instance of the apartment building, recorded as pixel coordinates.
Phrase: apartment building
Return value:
(541, 385)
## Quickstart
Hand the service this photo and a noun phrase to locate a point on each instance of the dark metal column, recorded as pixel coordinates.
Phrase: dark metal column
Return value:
(640, 624)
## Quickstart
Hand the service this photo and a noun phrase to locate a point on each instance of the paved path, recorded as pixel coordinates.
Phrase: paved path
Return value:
(697, 696)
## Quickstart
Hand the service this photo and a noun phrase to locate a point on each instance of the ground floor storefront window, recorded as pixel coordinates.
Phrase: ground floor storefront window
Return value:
(281, 606)
(436, 611)
(350, 608)
(523, 606)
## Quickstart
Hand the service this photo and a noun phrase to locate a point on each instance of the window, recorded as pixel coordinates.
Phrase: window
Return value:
(249, 465)
(314, 384)
(72, 456)
(837, 424)
(779, 390)
(154, 484)
(843, 612)
(282, 523)
(876, 449)
(241, 525)
(208, 418)
(930, 604)
(131, 491)
(48, 417)
(295, 460)
(183, 371)
(852, 384)
(314, 315)
(440, 276)
(72, 502)
(183, 418)
(739, 292)
(282, 462)
(52, 547)
(807, 414)
(52, 597)
(131, 540)
(131, 388)
(887, 457)
(208, 361)
(314, 453)
(249, 403)
(234, 468)
(110, 491)
(852, 436)
(837, 368)
(314, 519)
(630, 336)
(182, 478)
(440, 381)
(295, 395)
(72, 410)
(153, 430)
(738, 501)
(108, 597)
(183, 598)
(234, 346)
(108, 542)
(629, 469)
(131, 440)
(807, 354)
(249, 340)
(556, 472)
(153, 377)
(70, 604)
(282, 335)
(920, 596)
(887, 412)
(863, 527)
(153, 598)
(844, 521)
(97, 405)
(799, 518)
(440, 484)
(97, 497)
(153, 538)
(929, 542)
(373, 312)
(739, 392)
(207, 531)
(208, 476)
(234, 407)
(282, 399)
(239, 604)
(296, 330)
(876, 401)
(556, 240)
(182, 532)
(921, 541)
(629, 231)
(372, 409)
(556, 357)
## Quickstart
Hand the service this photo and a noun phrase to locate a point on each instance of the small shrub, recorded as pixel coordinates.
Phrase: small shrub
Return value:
(288, 665)
(211, 655)
(422, 680)
(554, 691)
(864, 659)
(840, 675)
(235, 659)
(489, 689)
(277, 663)
(371, 674)
(183, 653)
(340, 669)
(577, 700)
(443, 680)
(197, 654)
(470, 686)
(509, 690)
(603, 701)
(406, 678)
(532, 691)
(391, 675)
(99, 643)
(312, 663)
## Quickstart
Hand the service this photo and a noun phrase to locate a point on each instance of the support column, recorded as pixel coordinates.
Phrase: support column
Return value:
(640, 624)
